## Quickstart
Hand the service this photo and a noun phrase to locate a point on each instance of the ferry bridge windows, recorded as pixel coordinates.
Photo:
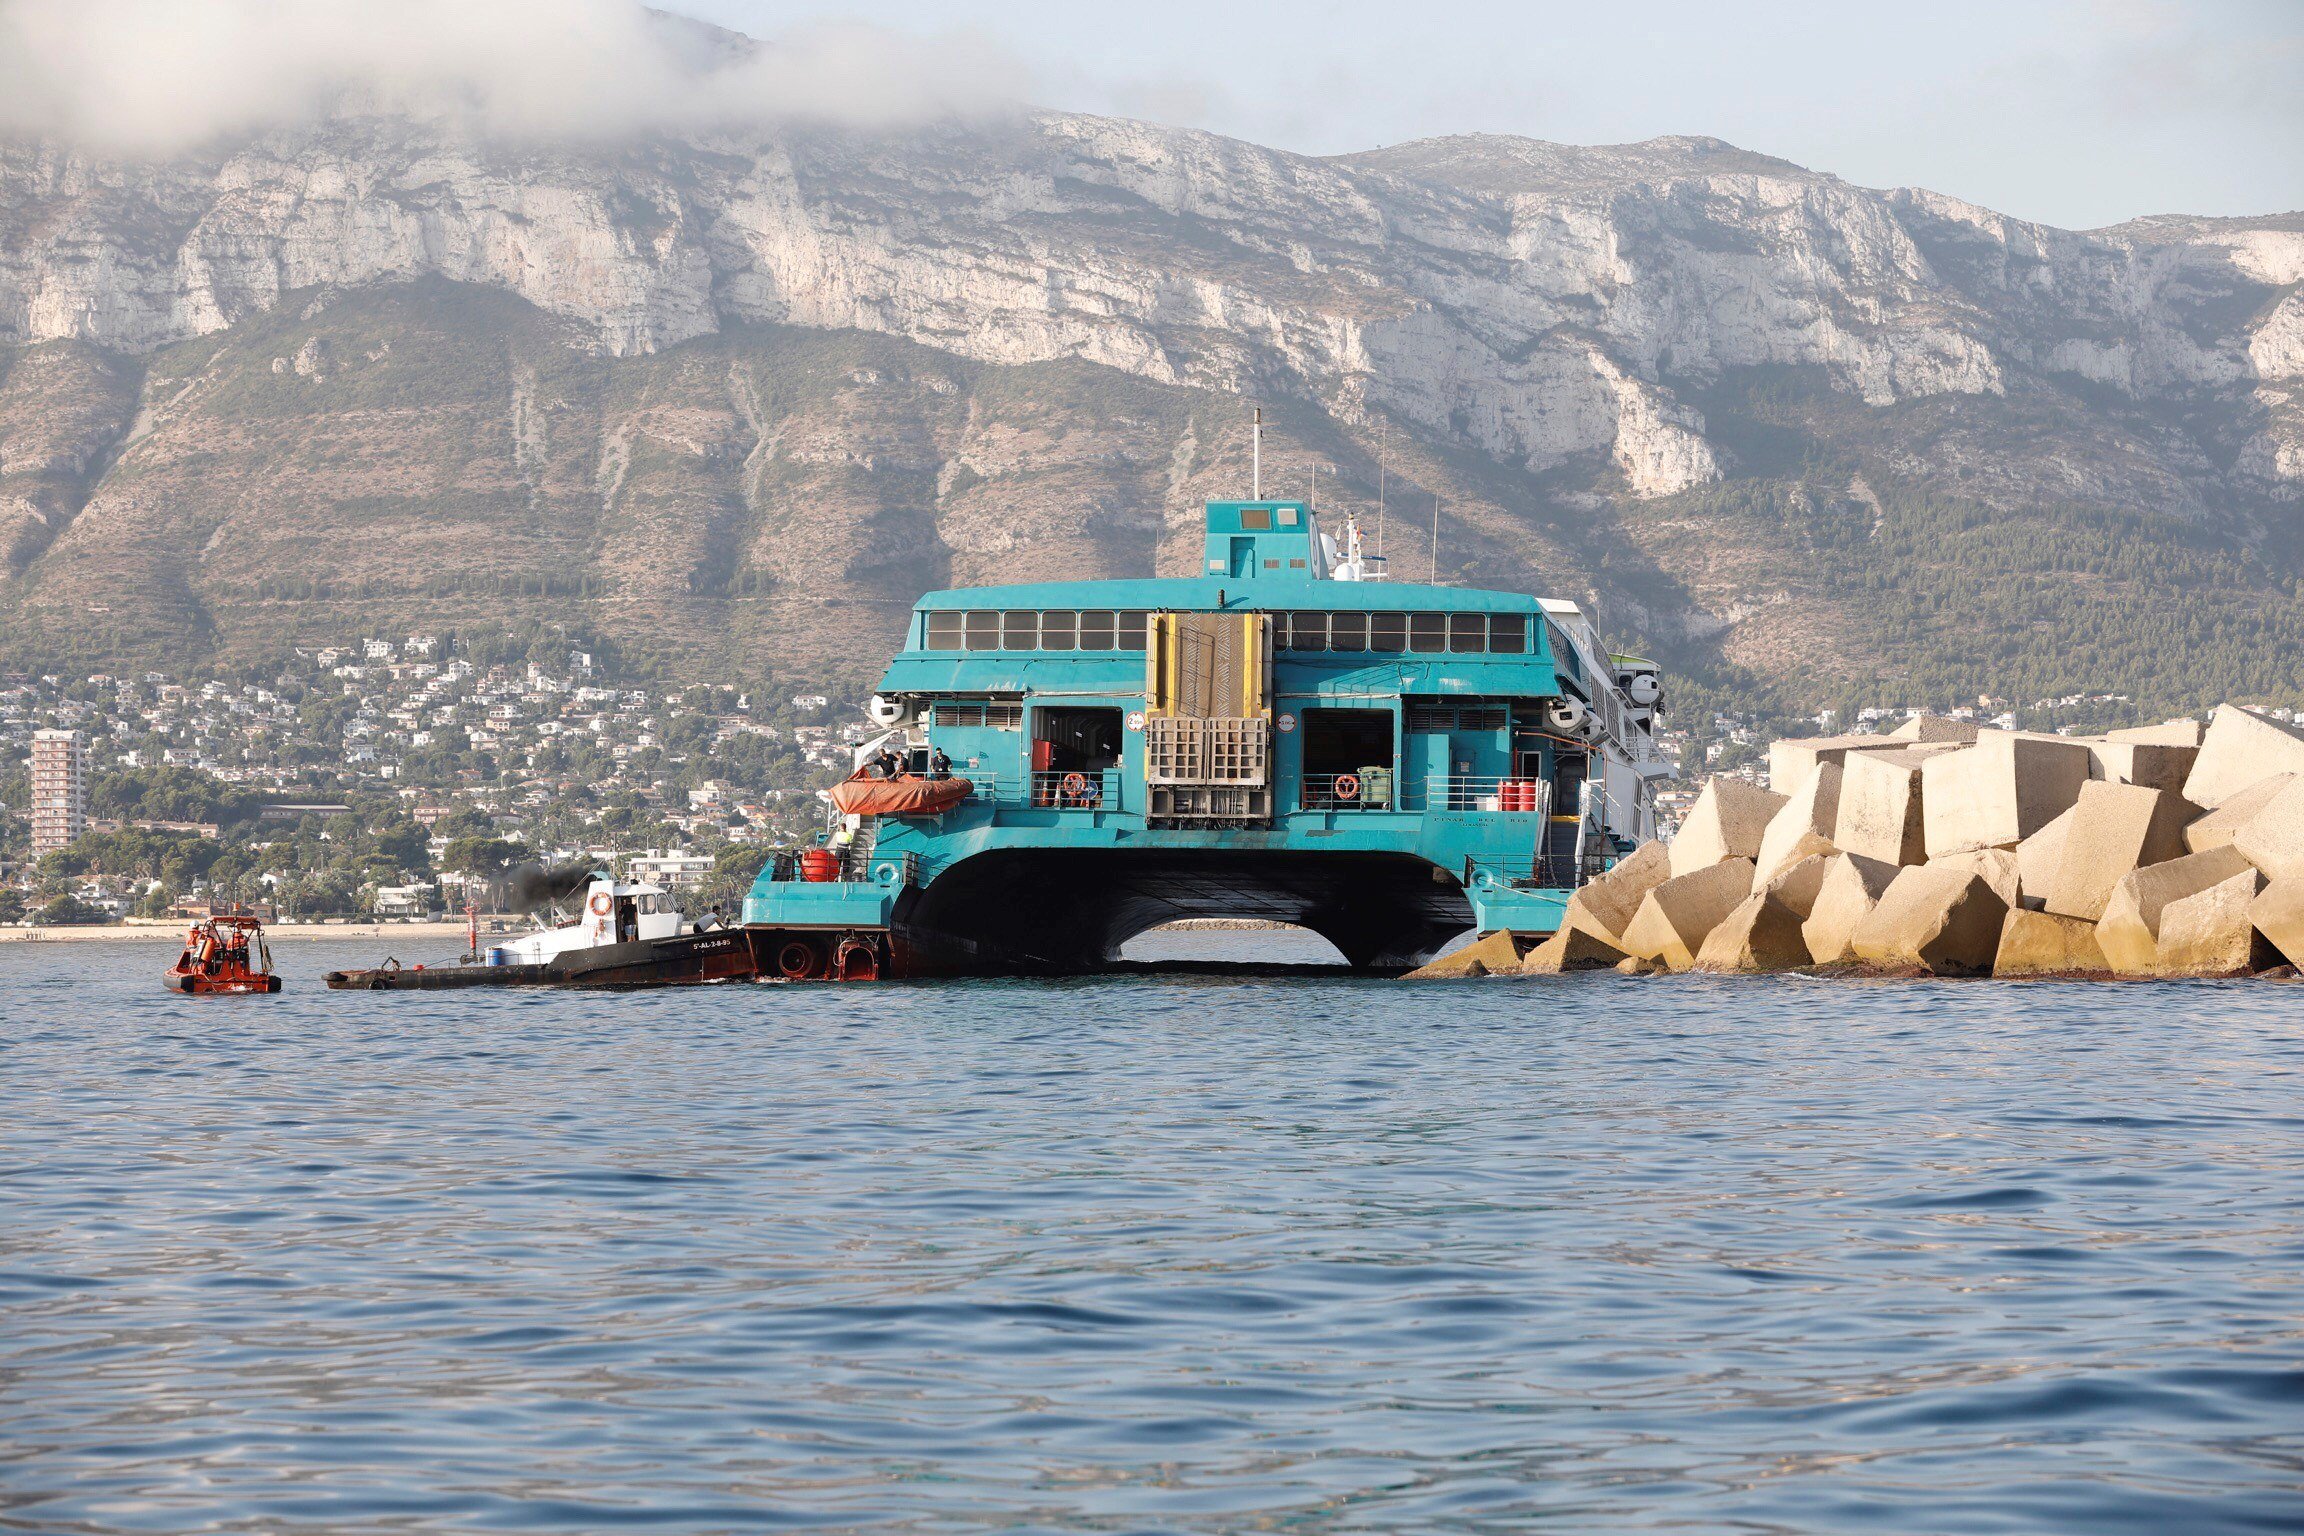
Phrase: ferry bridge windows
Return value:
(1428, 633)
(1030, 629)
(1256, 519)
(1352, 631)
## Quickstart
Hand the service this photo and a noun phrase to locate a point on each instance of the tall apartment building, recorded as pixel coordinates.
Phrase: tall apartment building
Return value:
(59, 789)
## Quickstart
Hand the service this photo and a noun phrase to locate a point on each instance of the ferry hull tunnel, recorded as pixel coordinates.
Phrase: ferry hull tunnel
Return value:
(1067, 910)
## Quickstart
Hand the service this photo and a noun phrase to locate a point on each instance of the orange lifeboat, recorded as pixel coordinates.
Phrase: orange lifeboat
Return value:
(907, 796)
(224, 954)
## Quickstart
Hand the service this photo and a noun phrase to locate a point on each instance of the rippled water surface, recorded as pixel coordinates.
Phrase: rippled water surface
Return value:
(1177, 1252)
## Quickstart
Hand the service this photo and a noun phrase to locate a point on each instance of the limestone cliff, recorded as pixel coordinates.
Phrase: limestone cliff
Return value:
(1561, 336)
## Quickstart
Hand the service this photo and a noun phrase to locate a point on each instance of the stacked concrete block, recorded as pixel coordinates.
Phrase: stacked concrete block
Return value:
(2043, 944)
(2112, 829)
(2278, 914)
(1676, 917)
(1802, 826)
(2219, 826)
(2239, 749)
(1605, 907)
(2173, 733)
(2273, 838)
(1494, 954)
(1944, 921)
(1998, 866)
(1797, 886)
(2153, 765)
(1880, 806)
(1727, 822)
(1851, 887)
(1759, 934)
(1571, 949)
(2129, 930)
(1937, 728)
(1998, 792)
(2211, 933)
(1791, 760)
(2037, 858)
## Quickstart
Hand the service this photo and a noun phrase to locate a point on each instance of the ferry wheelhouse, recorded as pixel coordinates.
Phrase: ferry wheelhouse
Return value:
(1285, 735)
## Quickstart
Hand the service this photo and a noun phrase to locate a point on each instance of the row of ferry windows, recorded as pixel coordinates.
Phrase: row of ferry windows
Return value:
(1063, 629)
(1016, 629)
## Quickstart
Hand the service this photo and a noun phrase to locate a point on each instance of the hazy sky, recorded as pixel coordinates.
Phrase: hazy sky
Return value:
(2075, 112)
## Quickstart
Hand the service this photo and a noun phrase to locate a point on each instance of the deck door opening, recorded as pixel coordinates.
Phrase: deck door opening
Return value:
(1075, 755)
(1348, 759)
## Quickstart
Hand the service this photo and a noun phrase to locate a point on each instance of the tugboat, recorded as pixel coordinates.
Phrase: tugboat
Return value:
(624, 934)
(224, 952)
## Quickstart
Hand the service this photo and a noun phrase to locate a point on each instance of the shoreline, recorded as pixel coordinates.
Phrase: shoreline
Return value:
(83, 933)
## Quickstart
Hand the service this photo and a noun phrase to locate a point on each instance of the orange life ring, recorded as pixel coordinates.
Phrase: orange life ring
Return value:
(601, 903)
(1347, 786)
(1075, 784)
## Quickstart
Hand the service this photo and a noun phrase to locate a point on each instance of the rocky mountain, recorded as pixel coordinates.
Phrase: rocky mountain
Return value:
(740, 398)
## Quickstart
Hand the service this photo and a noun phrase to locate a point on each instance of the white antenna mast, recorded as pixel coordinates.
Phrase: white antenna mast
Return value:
(1256, 457)
(1435, 539)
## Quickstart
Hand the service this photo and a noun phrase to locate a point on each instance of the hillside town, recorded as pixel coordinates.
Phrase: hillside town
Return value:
(392, 777)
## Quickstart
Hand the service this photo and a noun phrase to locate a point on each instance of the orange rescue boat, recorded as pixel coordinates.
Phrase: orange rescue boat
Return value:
(224, 954)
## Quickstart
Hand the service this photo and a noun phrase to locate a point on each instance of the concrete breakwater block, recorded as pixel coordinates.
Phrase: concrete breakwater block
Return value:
(1851, 886)
(1879, 815)
(1675, 918)
(2212, 933)
(2110, 830)
(1998, 792)
(1494, 954)
(1727, 822)
(1946, 921)
(1798, 886)
(2278, 914)
(1937, 728)
(1802, 826)
(2129, 930)
(2221, 825)
(1759, 934)
(1998, 866)
(1571, 949)
(2154, 765)
(2273, 838)
(2043, 944)
(2037, 857)
(1606, 907)
(1791, 760)
(2240, 748)
(2172, 733)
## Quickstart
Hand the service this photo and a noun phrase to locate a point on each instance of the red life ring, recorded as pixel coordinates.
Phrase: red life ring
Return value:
(1347, 786)
(601, 903)
(1075, 784)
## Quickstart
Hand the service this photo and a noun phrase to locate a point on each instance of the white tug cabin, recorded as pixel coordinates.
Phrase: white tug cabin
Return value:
(610, 912)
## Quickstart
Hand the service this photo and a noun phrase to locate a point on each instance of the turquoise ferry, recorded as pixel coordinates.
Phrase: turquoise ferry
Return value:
(1286, 735)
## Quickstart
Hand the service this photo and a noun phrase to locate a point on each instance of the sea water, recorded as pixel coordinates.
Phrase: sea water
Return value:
(1158, 1252)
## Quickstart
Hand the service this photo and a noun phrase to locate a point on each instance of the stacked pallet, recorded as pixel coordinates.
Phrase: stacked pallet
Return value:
(2169, 850)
